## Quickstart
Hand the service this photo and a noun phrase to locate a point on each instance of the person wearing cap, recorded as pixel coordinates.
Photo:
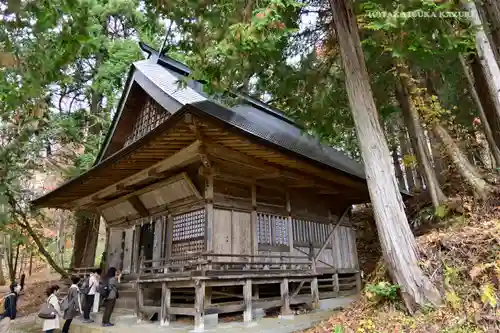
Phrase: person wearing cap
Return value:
(9, 308)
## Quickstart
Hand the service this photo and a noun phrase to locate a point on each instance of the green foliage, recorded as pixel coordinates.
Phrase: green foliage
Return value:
(338, 329)
(70, 60)
(382, 291)
(441, 211)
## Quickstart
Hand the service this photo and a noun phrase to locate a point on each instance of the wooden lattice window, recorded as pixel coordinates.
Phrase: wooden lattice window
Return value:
(305, 232)
(151, 115)
(188, 232)
(272, 230)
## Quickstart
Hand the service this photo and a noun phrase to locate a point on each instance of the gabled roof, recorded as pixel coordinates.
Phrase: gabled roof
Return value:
(252, 116)
(253, 119)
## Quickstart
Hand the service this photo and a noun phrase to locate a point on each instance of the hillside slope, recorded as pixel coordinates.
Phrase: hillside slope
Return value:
(462, 257)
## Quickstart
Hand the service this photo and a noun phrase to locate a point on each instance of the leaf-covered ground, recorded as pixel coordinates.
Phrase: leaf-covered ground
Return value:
(462, 257)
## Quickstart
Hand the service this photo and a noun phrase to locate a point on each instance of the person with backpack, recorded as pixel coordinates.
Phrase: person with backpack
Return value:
(108, 290)
(71, 305)
(9, 308)
(50, 325)
(90, 290)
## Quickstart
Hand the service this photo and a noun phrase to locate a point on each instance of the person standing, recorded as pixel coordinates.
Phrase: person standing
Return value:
(73, 304)
(109, 291)
(50, 325)
(90, 297)
(10, 308)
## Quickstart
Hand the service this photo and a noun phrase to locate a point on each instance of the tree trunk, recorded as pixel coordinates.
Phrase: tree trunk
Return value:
(412, 119)
(397, 166)
(492, 11)
(482, 115)
(406, 150)
(486, 56)
(440, 166)
(397, 241)
(41, 248)
(486, 99)
(2, 276)
(16, 260)
(464, 167)
(31, 263)
(60, 240)
(9, 258)
(86, 237)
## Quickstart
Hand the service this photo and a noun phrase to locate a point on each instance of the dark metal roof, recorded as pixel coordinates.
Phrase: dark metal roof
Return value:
(282, 134)
(261, 120)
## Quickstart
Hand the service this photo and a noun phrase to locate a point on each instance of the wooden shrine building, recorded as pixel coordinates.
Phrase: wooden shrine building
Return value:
(223, 209)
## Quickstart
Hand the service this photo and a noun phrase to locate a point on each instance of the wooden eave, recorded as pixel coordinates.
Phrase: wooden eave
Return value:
(162, 142)
(219, 141)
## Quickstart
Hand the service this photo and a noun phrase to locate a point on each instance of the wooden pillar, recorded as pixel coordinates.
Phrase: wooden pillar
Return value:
(285, 298)
(209, 203)
(336, 286)
(315, 292)
(289, 218)
(199, 306)
(247, 297)
(359, 285)
(170, 233)
(136, 260)
(253, 222)
(165, 305)
(139, 303)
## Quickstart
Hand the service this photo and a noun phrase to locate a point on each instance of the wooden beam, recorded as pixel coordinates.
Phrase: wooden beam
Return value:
(178, 177)
(225, 153)
(330, 235)
(138, 206)
(181, 158)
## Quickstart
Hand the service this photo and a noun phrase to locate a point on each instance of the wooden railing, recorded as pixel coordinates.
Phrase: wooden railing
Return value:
(226, 263)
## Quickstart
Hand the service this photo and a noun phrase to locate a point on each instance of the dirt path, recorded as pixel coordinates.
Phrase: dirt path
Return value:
(34, 291)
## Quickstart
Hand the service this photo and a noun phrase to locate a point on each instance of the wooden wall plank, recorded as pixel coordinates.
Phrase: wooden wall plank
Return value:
(158, 240)
(222, 231)
(115, 247)
(241, 234)
(128, 251)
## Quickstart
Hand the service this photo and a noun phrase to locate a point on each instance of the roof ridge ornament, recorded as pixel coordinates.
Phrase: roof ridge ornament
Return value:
(164, 45)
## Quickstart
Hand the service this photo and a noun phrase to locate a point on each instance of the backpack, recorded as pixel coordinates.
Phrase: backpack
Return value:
(3, 302)
(104, 289)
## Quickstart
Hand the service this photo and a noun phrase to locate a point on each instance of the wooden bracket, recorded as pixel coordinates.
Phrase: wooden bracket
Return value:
(330, 235)
(138, 206)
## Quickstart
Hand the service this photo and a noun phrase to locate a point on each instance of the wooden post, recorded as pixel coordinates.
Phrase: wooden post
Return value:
(247, 296)
(315, 293)
(285, 298)
(336, 286)
(209, 202)
(139, 303)
(199, 306)
(359, 285)
(170, 233)
(136, 255)
(253, 222)
(289, 218)
(165, 305)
